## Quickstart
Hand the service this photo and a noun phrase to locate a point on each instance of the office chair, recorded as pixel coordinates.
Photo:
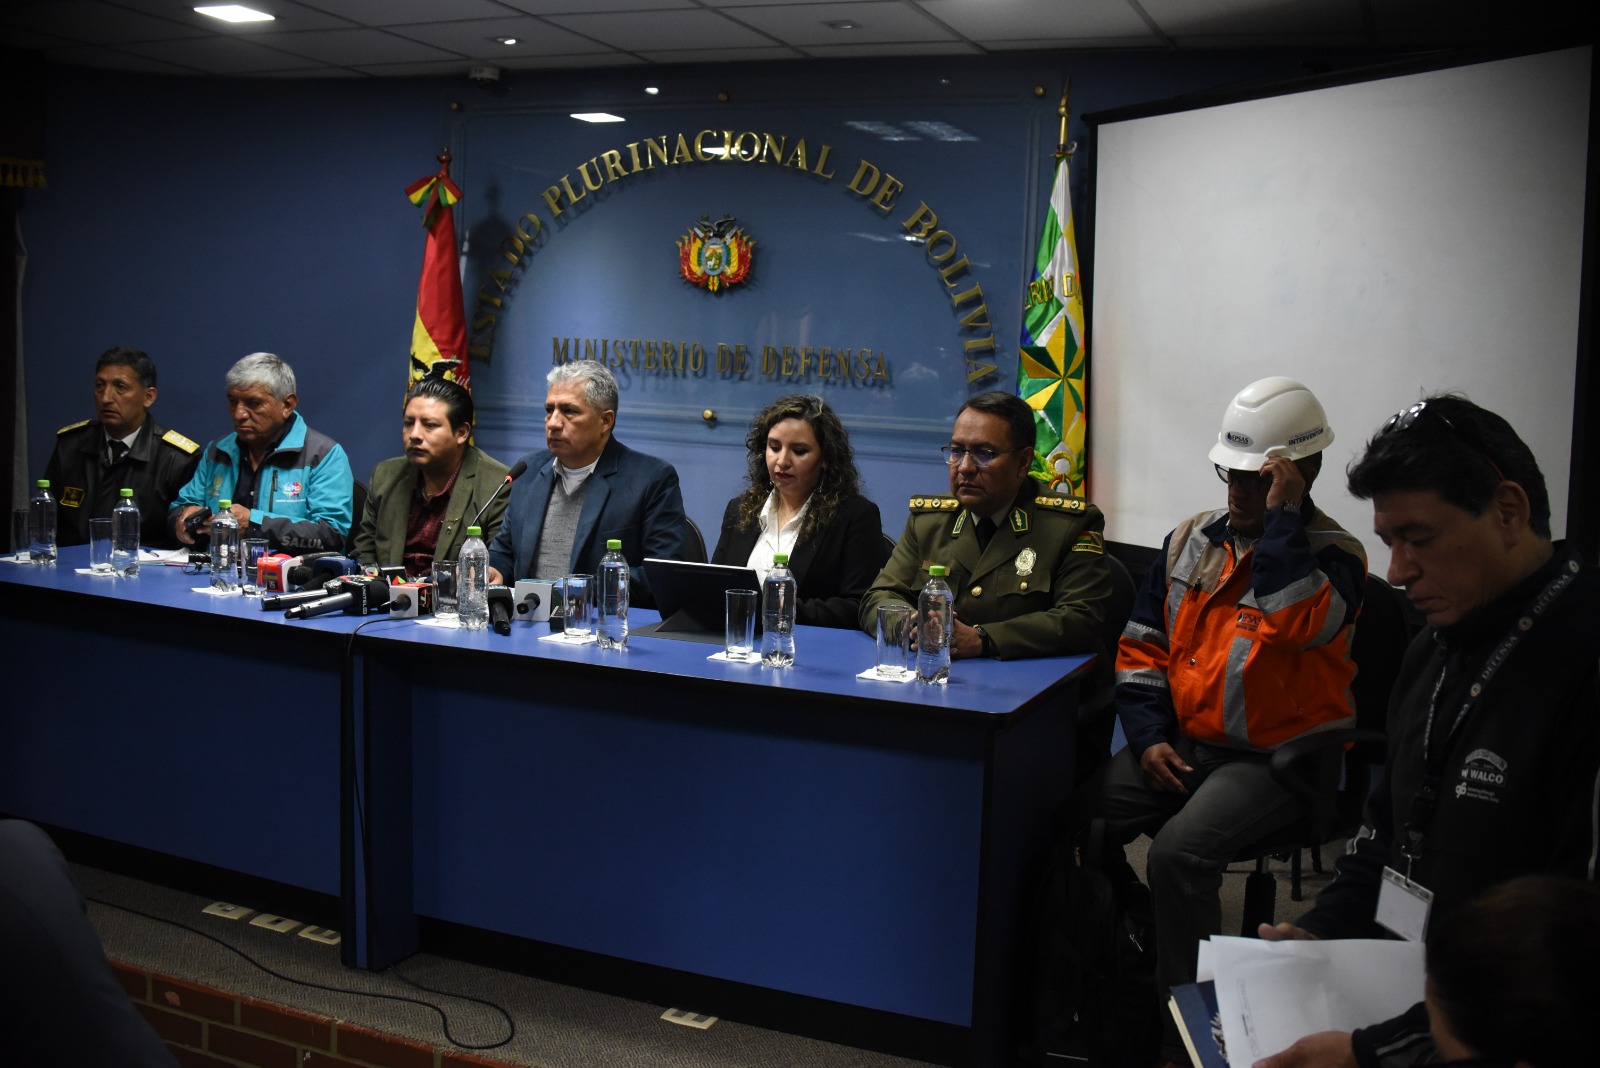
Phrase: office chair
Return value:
(358, 505)
(1096, 708)
(1301, 766)
(695, 543)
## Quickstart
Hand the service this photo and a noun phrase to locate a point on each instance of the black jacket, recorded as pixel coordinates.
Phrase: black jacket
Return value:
(86, 487)
(832, 566)
(1519, 781)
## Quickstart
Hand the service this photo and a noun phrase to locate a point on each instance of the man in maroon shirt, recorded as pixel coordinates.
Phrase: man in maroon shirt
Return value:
(419, 504)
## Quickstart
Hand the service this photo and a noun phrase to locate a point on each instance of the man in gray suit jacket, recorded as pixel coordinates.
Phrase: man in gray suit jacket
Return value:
(419, 505)
(585, 487)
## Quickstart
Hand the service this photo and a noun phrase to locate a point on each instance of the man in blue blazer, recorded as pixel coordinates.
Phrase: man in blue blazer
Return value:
(585, 487)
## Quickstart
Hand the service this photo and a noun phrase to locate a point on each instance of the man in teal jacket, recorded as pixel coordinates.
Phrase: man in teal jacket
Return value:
(288, 483)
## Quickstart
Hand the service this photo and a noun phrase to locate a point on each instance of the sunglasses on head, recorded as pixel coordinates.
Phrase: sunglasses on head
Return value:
(1406, 418)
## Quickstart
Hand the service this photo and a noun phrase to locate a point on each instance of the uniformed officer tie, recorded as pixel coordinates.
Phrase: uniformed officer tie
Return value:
(986, 529)
(119, 449)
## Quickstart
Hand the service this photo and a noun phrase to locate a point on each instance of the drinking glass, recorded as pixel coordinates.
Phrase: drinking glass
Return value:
(100, 546)
(894, 641)
(739, 630)
(250, 555)
(578, 599)
(445, 605)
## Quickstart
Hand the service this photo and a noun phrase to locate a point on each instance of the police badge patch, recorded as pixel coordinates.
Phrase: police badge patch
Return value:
(1025, 560)
(715, 254)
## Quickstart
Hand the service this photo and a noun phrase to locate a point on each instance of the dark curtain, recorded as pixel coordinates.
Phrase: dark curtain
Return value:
(21, 168)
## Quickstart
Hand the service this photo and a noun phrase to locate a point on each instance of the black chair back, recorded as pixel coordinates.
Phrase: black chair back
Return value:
(694, 543)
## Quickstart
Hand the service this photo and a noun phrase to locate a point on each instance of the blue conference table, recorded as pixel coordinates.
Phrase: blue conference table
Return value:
(193, 726)
(835, 840)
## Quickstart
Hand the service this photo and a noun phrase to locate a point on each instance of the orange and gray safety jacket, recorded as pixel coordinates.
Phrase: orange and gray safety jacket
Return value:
(1243, 651)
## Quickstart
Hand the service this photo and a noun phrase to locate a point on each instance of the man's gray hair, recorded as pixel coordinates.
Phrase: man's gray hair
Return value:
(599, 386)
(263, 369)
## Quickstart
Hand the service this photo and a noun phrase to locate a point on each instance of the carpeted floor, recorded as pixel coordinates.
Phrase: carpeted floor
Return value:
(550, 1025)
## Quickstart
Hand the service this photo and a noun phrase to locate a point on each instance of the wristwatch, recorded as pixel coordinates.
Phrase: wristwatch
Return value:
(988, 642)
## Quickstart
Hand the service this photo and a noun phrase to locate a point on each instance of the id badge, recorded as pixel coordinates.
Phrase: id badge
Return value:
(1403, 906)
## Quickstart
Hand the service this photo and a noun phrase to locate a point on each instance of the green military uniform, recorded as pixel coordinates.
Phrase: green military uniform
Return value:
(87, 485)
(1038, 589)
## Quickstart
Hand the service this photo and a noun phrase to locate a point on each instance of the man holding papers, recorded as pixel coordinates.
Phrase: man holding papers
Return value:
(1494, 729)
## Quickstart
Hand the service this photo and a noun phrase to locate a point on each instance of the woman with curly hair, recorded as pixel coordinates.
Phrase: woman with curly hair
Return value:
(804, 499)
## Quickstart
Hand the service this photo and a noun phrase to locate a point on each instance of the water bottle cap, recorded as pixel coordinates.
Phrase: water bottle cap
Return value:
(937, 571)
(614, 545)
(43, 483)
(474, 532)
(127, 491)
(779, 559)
(224, 504)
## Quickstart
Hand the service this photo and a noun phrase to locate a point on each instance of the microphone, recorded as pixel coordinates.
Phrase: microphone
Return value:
(319, 567)
(357, 596)
(500, 608)
(511, 476)
(289, 600)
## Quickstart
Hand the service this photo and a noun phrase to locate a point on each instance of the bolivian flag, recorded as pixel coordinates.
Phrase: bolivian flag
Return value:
(439, 337)
(1051, 358)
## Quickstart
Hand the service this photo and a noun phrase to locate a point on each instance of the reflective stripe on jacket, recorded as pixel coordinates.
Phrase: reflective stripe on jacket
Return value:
(1243, 651)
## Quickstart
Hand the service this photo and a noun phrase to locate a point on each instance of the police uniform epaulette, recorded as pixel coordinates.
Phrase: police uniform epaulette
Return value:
(172, 437)
(1060, 503)
(935, 504)
(75, 426)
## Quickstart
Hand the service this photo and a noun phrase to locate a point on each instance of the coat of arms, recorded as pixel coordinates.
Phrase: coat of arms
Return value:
(715, 254)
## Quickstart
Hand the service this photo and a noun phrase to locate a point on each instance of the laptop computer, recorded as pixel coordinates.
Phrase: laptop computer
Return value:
(689, 597)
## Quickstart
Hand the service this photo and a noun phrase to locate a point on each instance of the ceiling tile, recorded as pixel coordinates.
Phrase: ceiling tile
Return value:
(477, 39)
(590, 61)
(1217, 18)
(722, 55)
(405, 12)
(352, 48)
(1040, 20)
(223, 55)
(596, 7)
(640, 30)
(116, 60)
(286, 14)
(806, 24)
(94, 23)
(923, 48)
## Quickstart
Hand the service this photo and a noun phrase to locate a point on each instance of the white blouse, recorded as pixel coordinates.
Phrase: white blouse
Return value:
(775, 539)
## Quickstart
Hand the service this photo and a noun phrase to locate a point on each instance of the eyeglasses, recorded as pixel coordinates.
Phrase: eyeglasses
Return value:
(1407, 418)
(955, 454)
(1245, 480)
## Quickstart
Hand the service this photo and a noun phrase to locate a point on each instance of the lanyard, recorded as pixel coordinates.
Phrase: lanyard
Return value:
(1426, 799)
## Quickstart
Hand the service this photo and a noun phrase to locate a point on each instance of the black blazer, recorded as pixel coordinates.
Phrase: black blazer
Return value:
(833, 567)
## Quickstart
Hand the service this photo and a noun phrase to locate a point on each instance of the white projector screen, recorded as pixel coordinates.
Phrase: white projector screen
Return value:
(1377, 241)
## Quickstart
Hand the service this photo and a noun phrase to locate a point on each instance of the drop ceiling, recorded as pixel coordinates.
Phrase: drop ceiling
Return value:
(378, 38)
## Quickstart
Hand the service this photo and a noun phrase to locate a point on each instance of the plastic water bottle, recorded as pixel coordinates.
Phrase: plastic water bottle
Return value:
(125, 535)
(224, 550)
(42, 524)
(935, 624)
(613, 629)
(472, 582)
(778, 594)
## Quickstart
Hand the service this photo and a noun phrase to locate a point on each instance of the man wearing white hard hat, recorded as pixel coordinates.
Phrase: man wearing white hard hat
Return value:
(1238, 642)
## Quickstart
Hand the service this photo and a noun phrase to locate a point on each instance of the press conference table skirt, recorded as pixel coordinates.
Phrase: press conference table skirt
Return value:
(802, 831)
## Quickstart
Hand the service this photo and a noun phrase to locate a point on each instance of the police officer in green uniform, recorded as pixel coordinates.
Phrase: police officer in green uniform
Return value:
(1027, 567)
(121, 446)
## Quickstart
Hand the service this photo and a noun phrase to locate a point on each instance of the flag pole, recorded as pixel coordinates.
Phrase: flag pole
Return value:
(1063, 149)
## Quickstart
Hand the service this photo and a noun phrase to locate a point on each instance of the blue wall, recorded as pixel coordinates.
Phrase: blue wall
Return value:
(204, 219)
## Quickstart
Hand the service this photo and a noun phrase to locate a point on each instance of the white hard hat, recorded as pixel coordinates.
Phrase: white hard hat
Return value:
(1275, 415)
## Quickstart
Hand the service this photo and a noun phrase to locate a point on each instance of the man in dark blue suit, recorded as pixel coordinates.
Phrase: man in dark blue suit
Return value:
(585, 487)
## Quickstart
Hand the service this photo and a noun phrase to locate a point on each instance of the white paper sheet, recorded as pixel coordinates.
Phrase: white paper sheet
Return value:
(1271, 994)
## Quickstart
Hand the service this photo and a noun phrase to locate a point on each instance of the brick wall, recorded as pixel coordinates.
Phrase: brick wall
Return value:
(210, 1028)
